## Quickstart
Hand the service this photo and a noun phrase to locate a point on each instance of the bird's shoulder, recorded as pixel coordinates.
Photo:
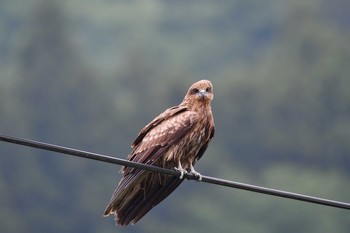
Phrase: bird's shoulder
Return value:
(169, 123)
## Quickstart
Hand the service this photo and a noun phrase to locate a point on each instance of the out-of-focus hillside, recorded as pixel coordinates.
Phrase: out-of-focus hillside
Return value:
(90, 74)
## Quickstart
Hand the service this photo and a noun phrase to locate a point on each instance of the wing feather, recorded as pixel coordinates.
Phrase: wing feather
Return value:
(156, 121)
(166, 132)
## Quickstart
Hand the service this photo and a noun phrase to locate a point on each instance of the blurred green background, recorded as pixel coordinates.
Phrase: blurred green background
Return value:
(90, 74)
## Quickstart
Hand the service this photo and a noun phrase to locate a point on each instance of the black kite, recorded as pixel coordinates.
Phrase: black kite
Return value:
(176, 138)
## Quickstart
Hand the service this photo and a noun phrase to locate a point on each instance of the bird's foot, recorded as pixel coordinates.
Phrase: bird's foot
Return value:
(182, 171)
(195, 173)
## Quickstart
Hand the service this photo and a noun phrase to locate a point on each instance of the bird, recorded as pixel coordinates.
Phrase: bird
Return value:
(176, 139)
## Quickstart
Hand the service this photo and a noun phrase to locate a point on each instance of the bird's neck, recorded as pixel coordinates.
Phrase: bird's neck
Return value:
(201, 107)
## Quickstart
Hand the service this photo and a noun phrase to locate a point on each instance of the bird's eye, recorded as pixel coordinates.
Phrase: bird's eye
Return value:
(208, 89)
(195, 90)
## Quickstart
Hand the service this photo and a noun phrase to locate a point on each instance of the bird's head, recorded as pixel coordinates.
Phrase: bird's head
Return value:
(201, 91)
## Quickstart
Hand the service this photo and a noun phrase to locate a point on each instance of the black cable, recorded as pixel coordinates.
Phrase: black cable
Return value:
(207, 179)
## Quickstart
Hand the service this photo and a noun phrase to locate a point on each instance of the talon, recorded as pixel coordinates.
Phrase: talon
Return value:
(197, 174)
(182, 172)
(180, 169)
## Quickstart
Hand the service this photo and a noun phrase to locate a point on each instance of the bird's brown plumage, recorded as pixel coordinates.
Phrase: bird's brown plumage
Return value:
(176, 138)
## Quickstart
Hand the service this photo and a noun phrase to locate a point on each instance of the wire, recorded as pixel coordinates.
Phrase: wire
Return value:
(189, 176)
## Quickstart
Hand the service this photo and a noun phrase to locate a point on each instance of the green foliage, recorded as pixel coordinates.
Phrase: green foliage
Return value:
(90, 74)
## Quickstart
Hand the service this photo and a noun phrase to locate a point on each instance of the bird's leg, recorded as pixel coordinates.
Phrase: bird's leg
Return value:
(197, 174)
(180, 169)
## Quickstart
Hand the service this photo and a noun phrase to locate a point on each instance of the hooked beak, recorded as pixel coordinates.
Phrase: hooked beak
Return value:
(202, 93)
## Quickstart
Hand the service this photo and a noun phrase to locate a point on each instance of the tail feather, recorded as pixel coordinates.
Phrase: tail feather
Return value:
(133, 203)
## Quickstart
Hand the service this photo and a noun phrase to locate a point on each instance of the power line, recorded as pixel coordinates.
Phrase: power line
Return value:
(207, 179)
